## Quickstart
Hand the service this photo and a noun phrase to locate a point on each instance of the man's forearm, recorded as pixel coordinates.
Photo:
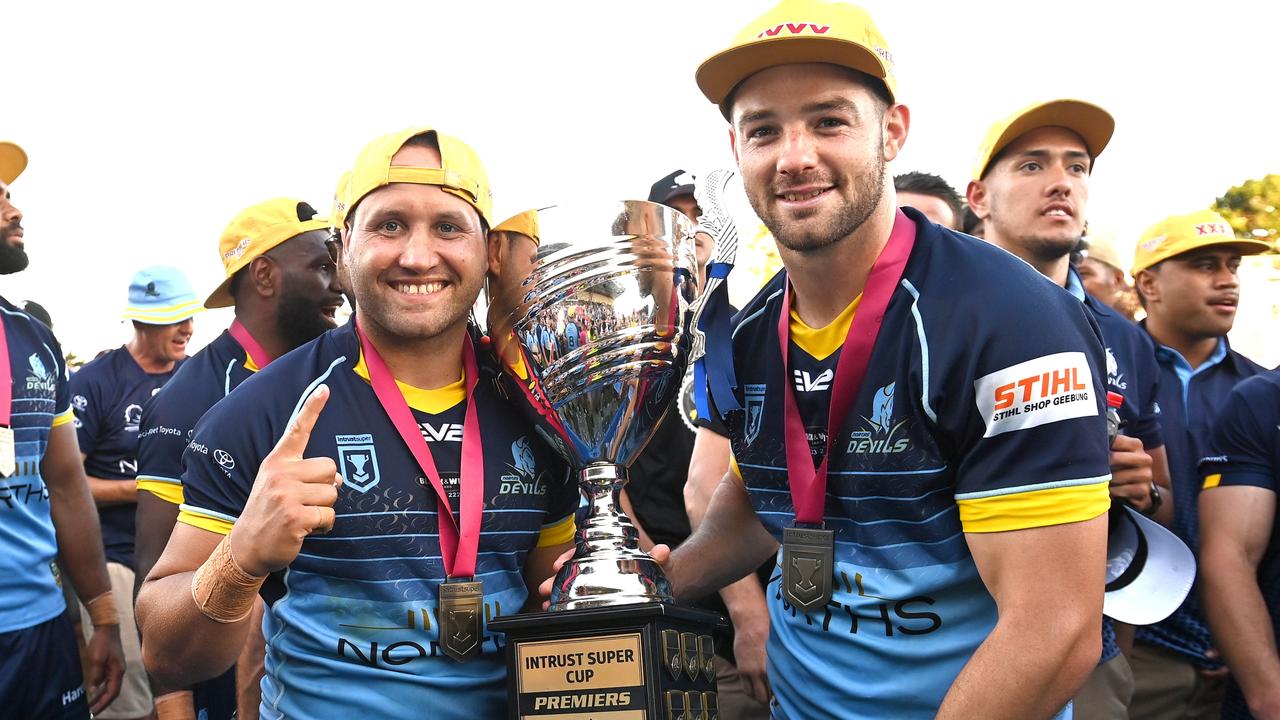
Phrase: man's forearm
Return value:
(1053, 657)
(113, 492)
(1242, 629)
(75, 522)
(181, 645)
(729, 543)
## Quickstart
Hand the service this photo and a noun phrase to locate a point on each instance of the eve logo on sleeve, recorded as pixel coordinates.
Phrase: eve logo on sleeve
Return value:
(1036, 392)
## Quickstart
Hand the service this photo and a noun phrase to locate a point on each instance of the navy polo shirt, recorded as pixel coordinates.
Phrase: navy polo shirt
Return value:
(1189, 400)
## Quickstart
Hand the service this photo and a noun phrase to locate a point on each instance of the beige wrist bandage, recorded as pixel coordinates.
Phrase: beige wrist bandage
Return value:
(223, 591)
(102, 610)
(178, 705)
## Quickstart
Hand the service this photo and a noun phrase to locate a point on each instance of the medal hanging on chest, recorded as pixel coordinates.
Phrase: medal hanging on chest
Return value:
(461, 619)
(8, 449)
(808, 548)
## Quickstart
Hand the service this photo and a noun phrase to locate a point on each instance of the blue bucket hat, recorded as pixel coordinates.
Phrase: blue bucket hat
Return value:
(161, 295)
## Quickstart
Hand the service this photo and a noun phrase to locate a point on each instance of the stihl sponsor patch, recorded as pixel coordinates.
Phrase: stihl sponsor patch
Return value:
(1036, 392)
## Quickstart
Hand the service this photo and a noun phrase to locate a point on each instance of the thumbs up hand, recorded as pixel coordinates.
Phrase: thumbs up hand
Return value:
(292, 497)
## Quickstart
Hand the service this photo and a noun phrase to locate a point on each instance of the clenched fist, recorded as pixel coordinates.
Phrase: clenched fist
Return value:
(292, 497)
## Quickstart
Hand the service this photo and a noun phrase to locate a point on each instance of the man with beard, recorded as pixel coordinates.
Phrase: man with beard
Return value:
(46, 511)
(1031, 188)
(1185, 268)
(938, 484)
(107, 396)
(363, 483)
(282, 282)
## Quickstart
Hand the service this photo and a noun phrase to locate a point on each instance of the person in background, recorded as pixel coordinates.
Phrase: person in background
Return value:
(931, 195)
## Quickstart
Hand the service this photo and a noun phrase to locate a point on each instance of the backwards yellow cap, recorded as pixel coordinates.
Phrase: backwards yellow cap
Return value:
(255, 231)
(337, 213)
(13, 160)
(1184, 233)
(799, 31)
(461, 172)
(526, 223)
(1093, 124)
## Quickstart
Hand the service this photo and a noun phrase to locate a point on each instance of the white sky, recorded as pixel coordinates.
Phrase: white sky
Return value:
(149, 125)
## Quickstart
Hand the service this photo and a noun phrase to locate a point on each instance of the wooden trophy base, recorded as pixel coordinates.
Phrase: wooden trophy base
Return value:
(648, 661)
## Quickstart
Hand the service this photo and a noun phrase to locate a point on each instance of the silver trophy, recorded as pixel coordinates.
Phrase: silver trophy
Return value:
(596, 335)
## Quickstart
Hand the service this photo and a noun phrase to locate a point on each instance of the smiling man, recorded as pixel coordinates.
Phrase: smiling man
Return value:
(1186, 271)
(372, 485)
(935, 472)
(1031, 188)
(283, 284)
(108, 395)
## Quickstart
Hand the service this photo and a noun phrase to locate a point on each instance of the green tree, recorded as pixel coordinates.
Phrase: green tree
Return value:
(1253, 208)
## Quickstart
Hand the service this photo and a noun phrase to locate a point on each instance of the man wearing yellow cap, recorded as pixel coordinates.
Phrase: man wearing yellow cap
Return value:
(108, 395)
(1185, 268)
(46, 512)
(350, 484)
(282, 283)
(1030, 186)
(1103, 275)
(935, 472)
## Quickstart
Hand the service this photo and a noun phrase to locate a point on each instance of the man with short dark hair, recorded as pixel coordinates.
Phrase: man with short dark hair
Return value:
(362, 484)
(283, 285)
(46, 512)
(1185, 268)
(108, 395)
(938, 486)
(1031, 188)
(931, 195)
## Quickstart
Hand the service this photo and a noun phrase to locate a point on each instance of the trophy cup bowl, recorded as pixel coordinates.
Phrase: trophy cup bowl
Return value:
(596, 333)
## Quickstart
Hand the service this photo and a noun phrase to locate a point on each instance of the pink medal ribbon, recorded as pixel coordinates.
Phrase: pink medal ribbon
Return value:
(255, 351)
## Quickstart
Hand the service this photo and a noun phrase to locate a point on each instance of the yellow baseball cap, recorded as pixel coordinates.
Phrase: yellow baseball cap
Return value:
(337, 213)
(526, 223)
(461, 172)
(255, 231)
(799, 31)
(1093, 124)
(1184, 233)
(13, 160)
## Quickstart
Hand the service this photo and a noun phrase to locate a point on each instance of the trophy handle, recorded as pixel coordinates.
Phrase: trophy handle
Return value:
(608, 568)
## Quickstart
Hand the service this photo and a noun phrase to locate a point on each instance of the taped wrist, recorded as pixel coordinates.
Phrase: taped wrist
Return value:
(178, 705)
(102, 610)
(223, 591)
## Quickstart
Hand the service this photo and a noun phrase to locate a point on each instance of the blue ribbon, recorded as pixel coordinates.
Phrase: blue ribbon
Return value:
(714, 369)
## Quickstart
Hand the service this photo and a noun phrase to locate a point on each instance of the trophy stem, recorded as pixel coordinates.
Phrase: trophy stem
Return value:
(608, 568)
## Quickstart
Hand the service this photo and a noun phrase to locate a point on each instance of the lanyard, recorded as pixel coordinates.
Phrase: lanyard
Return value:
(241, 334)
(458, 541)
(6, 381)
(809, 485)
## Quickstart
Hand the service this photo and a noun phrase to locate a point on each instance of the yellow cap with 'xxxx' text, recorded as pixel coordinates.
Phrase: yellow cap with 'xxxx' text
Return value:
(799, 31)
(1179, 234)
(460, 173)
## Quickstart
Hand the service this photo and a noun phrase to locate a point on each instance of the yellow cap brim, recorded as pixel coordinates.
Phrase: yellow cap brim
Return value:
(1093, 124)
(13, 160)
(1246, 247)
(221, 295)
(721, 73)
(165, 315)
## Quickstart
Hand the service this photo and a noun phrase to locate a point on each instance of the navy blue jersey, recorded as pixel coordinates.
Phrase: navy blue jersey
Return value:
(1189, 400)
(32, 590)
(981, 411)
(107, 396)
(352, 621)
(168, 420)
(1246, 451)
(1131, 367)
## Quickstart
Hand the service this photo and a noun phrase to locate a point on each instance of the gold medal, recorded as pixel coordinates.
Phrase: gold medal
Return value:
(461, 619)
(8, 460)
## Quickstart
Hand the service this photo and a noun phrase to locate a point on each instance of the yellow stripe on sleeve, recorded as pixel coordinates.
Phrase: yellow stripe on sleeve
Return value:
(1212, 481)
(204, 522)
(1034, 508)
(558, 533)
(169, 492)
(64, 417)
